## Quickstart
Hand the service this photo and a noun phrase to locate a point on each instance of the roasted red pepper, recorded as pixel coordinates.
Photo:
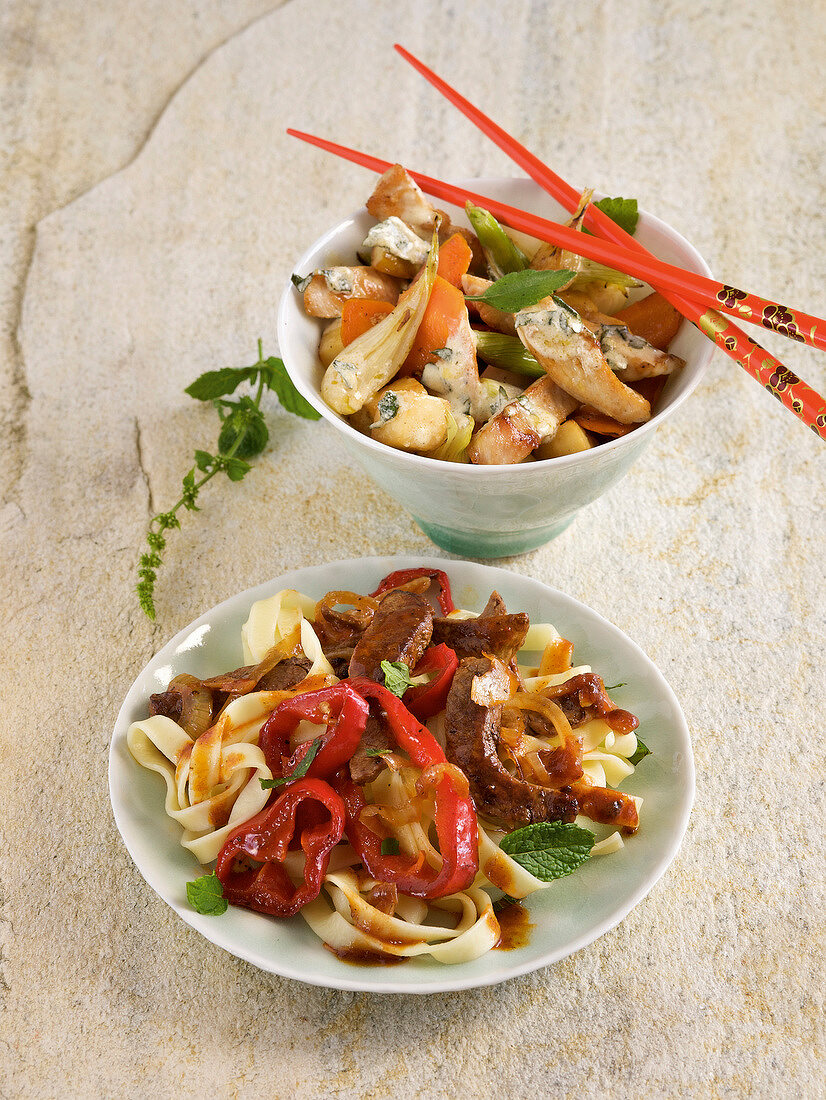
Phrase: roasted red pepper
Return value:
(339, 707)
(425, 700)
(266, 838)
(402, 576)
(456, 825)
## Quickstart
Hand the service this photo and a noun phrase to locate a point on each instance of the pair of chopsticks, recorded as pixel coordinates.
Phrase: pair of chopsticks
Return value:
(699, 299)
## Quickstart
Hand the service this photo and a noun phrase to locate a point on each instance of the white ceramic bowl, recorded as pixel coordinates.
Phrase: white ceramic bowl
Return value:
(488, 511)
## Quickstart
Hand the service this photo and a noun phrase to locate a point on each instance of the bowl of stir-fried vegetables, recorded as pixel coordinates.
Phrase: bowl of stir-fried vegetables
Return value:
(490, 383)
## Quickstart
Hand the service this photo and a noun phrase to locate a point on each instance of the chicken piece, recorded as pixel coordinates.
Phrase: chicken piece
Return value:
(398, 195)
(557, 337)
(633, 357)
(406, 416)
(327, 290)
(492, 317)
(522, 425)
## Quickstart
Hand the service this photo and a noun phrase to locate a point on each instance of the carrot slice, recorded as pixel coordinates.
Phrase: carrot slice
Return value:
(444, 311)
(455, 257)
(652, 318)
(360, 314)
(592, 420)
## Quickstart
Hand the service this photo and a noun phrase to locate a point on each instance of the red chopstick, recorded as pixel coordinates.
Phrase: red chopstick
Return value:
(804, 402)
(795, 394)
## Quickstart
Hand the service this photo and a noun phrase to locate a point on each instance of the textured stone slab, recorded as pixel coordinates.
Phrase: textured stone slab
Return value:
(709, 554)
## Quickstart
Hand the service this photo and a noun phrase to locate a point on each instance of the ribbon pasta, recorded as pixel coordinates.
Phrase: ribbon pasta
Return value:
(211, 782)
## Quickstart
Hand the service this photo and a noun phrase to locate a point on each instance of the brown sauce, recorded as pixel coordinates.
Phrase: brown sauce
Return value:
(516, 927)
(364, 958)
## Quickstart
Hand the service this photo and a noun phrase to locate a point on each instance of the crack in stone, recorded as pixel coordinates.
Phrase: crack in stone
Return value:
(15, 416)
(14, 419)
(142, 467)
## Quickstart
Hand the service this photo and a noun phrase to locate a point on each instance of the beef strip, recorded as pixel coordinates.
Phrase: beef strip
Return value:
(364, 768)
(472, 733)
(400, 631)
(169, 703)
(495, 634)
(286, 674)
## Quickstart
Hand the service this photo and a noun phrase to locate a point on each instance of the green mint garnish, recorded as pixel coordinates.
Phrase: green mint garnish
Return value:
(206, 895)
(396, 677)
(549, 849)
(298, 772)
(641, 753)
(622, 211)
(521, 289)
(390, 846)
(243, 435)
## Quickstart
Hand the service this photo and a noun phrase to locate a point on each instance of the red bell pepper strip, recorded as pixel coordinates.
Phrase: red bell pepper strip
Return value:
(456, 825)
(266, 838)
(402, 576)
(339, 707)
(425, 700)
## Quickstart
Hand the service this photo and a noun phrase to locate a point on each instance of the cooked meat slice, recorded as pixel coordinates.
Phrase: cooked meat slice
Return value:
(364, 768)
(494, 318)
(286, 674)
(398, 195)
(494, 606)
(169, 703)
(522, 425)
(497, 635)
(558, 337)
(326, 292)
(400, 631)
(472, 733)
(632, 356)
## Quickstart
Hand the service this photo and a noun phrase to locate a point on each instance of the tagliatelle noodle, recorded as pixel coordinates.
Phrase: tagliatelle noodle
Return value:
(271, 621)
(496, 868)
(353, 924)
(211, 782)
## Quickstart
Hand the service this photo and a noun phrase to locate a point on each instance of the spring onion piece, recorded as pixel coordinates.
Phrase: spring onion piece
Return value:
(361, 369)
(589, 271)
(454, 448)
(508, 352)
(502, 254)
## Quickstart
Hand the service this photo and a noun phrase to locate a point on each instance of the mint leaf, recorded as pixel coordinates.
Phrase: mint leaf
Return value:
(301, 282)
(622, 211)
(505, 902)
(396, 677)
(244, 431)
(377, 752)
(206, 895)
(276, 379)
(641, 753)
(216, 383)
(390, 846)
(520, 289)
(549, 849)
(298, 772)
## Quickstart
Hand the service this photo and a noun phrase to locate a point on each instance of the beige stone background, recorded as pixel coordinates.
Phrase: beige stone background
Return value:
(151, 210)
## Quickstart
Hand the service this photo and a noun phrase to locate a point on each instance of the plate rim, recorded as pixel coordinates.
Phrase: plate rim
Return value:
(429, 985)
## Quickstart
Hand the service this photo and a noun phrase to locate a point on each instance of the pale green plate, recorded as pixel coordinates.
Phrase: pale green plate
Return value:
(569, 915)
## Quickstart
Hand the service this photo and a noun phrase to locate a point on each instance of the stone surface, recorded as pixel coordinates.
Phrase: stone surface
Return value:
(709, 553)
